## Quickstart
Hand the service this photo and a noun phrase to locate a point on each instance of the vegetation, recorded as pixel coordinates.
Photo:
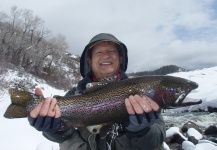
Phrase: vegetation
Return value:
(29, 46)
(161, 71)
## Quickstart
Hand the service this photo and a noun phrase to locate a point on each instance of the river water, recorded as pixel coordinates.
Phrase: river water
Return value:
(203, 119)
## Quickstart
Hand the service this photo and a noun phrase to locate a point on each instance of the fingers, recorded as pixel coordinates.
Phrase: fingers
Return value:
(38, 92)
(51, 107)
(47, 108)
(58, 112)
(152, 103)
(54, 109)
(34, 113)
(139, 105)
(129, 106)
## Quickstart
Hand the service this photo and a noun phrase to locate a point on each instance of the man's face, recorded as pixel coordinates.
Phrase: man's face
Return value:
(105, 61)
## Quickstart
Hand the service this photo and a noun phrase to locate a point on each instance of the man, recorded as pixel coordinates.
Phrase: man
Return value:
(103, 59)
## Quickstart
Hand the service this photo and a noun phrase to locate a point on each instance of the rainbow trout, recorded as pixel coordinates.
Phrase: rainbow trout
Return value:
(104, 102)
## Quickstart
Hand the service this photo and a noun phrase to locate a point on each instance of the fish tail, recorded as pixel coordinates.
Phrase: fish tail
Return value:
(17, 108)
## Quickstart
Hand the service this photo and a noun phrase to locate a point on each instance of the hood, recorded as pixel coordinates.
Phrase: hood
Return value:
(85, 68)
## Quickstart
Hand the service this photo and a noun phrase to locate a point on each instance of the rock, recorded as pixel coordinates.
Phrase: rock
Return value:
(165, 146)
(191, 124)
(187, 145)
(195, 133)
(176, 138)
(193, 140)
(207, 141)
(211, 130)
(206, 146)
(175, 146)
(211, 109)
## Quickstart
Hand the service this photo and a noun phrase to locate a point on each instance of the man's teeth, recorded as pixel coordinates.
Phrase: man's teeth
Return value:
(106, 63)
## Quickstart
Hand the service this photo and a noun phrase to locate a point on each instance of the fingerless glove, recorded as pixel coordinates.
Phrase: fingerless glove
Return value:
(47, 124)
(138, 122)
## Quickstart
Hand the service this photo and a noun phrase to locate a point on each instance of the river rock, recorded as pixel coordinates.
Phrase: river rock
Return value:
(195, 133)
(211, 130)
(191, 124)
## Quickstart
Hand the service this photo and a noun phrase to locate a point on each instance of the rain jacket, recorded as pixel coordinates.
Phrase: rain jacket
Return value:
(82, 139)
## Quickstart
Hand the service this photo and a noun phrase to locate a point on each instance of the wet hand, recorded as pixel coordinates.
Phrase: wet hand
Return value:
(46, 115)
(143, 113)
(47, 108)
(139, 105)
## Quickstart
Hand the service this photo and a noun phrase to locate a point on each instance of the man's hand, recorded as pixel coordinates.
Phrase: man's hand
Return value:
(138, 105)
(47, 108)
(46, 115)
(143, 113)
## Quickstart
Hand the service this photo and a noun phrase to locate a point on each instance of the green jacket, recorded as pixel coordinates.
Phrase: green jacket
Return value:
(82, 139)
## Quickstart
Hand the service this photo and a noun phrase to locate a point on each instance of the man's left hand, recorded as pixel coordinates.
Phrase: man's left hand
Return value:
(139, 105)
(143, 113)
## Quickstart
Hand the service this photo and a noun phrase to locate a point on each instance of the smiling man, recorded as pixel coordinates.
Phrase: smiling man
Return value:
(103, 59)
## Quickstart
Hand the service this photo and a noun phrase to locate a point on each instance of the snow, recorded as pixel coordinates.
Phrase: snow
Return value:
(174, 130)
(195, 133)
(17, 134)
(187, 145)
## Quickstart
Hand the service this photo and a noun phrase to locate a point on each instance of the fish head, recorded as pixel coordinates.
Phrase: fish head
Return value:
(173, 90)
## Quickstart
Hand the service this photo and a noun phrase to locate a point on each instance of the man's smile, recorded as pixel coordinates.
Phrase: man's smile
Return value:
(106, 63)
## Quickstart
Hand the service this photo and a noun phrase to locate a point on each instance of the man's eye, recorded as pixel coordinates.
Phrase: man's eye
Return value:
(98, 53)
(112, 51)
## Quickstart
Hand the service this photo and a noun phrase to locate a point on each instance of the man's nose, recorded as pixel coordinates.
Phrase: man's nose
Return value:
(106, 54)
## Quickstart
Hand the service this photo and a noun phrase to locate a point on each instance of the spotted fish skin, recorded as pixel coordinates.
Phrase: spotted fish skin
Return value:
(105, 102)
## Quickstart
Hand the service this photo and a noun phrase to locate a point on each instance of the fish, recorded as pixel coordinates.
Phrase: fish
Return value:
(105, 101)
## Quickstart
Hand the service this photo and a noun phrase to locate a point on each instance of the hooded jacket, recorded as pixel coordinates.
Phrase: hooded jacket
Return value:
(82, 139)
(85, 68)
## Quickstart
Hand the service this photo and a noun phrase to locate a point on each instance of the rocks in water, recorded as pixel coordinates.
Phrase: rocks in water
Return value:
(190, 137)
(188, 145)
(211, 109)
(193, 132)
(211, 130)
(191, 124)
(193, 140)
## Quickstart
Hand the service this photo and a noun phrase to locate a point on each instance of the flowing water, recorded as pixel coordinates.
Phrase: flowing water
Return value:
(203, 119)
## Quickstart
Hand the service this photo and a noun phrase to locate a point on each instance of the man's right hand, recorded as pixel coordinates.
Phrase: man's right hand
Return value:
(47, 108)
(46, 115)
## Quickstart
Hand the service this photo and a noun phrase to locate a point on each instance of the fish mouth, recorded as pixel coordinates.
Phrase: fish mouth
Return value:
(190, 101)
(183, 100)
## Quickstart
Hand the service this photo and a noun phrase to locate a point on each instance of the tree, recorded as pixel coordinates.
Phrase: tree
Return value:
(26, 43)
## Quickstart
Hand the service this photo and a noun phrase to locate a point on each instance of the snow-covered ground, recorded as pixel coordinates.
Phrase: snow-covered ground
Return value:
(17, 134)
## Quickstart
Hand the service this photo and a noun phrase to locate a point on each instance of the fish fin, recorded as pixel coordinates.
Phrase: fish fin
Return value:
(15, 111)
(92, 87)
(19, 99)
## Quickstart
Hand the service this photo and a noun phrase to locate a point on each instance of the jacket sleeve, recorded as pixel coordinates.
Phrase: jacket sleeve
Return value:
(61, 136)
(149, 138)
